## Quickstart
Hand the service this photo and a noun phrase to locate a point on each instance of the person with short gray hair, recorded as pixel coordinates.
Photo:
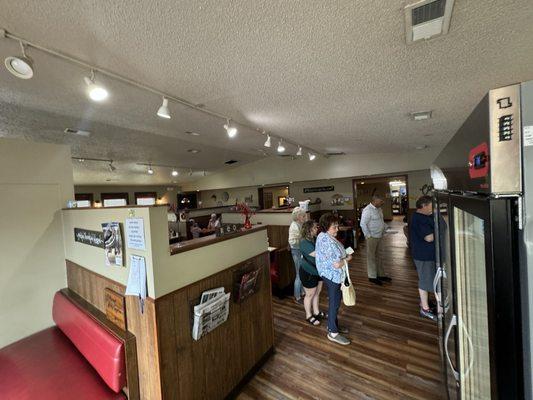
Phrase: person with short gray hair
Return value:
(373, 227)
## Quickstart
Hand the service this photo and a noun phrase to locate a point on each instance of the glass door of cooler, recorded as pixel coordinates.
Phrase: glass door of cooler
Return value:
(443, 289)
(471, 317)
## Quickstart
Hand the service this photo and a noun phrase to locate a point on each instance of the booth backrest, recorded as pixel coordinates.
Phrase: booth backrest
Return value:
(103, 350)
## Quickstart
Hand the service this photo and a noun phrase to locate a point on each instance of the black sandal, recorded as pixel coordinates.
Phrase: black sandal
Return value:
(320, 316)
(313, 320)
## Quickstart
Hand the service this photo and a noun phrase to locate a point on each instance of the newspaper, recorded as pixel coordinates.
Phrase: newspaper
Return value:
(209, 315)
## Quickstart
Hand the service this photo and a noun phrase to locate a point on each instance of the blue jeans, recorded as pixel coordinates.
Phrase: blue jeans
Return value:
(296, 256)
(334, 297)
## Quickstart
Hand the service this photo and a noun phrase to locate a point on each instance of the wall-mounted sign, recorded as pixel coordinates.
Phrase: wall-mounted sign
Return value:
(115, 308)
(135, 233)
(319, 189)
(92, 238)
(228, 229)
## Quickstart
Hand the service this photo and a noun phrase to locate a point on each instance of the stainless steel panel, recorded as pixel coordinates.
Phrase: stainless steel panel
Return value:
(505, 140)
(526, 245)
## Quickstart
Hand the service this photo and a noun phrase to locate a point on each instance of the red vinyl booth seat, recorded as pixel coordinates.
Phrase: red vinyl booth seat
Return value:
(78, 359)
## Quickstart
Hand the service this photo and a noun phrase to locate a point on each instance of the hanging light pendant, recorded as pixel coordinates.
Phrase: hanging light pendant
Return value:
(281, 148)
(268, 142)
(163, 110)
(231, 130)
(95, 92)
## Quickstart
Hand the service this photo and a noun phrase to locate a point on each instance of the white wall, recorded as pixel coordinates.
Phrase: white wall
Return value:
(235, 195)
(342, 186)
(274, 170)
(35, 183)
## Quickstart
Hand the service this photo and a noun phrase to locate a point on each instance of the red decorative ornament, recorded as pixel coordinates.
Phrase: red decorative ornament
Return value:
(245, 210)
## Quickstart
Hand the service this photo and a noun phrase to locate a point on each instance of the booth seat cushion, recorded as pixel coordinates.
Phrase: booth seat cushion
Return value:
(46, 366)
(103, 350)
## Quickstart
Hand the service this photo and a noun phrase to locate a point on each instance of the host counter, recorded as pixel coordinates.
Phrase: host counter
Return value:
(171, 364)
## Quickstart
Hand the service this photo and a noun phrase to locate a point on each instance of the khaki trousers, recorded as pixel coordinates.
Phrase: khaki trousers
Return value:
(374, 263)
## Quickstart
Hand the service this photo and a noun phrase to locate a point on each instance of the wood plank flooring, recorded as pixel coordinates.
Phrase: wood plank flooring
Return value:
(394, 353)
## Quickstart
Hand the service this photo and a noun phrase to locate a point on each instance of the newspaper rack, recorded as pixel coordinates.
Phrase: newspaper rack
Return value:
(211, 313)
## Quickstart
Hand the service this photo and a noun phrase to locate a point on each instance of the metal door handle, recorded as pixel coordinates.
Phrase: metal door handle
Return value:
(435, 284)
(452, 324)
(470, 347)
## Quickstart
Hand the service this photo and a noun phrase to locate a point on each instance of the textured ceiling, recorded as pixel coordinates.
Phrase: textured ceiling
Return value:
(334, 75)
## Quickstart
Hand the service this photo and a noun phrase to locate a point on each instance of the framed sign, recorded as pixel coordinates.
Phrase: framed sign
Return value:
(92, 238)
(115, 308)
(319, 189)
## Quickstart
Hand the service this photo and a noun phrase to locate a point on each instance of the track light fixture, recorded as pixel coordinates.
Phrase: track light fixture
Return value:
(21, 67)
(268, 142)
(231, 130)
(95, 92)
(190, 172)
(174, 172)
(311, 156)
(163, 110)
(299, 152)
(150, 170)
(281, 148)
(112, 168)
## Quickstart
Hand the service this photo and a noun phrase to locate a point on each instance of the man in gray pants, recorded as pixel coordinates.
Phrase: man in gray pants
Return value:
(374, 227)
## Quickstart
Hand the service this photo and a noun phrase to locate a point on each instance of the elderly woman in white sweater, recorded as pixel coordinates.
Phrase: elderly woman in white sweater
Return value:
(298, 218)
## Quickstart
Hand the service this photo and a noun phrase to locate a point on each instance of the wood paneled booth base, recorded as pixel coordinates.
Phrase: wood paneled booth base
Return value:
(171, 364)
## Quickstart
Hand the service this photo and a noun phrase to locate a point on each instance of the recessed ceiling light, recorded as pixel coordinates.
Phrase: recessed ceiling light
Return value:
(421, 115)
(174, 172)
(192, 133)
(20, 66)
(193, 151)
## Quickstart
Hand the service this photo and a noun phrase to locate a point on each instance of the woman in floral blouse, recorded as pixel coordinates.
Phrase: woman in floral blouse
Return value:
(330, 257)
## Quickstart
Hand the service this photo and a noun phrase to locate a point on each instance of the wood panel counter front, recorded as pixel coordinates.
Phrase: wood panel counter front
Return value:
(171, 364)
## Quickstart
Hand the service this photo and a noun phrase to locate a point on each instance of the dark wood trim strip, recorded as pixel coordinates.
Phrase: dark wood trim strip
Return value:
(209, 240)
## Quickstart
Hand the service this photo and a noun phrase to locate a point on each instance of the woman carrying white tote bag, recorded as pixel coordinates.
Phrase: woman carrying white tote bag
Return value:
(347, 288)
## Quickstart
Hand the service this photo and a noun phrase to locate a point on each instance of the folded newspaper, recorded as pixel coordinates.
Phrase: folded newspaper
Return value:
(210, 314)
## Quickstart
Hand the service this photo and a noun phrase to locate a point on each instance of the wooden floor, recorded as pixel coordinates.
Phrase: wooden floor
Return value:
(394, 353)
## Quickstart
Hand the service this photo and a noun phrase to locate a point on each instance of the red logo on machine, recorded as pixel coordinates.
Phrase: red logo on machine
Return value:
(478, 161)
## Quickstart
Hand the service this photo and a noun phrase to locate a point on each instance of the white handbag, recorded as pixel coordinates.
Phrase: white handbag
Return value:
(347, 288)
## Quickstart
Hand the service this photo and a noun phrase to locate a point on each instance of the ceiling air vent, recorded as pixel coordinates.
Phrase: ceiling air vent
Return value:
(427, 19)
(229, 162)
(336, 153)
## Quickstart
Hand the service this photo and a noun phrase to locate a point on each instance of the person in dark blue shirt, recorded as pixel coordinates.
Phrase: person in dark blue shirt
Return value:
(422, 241)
